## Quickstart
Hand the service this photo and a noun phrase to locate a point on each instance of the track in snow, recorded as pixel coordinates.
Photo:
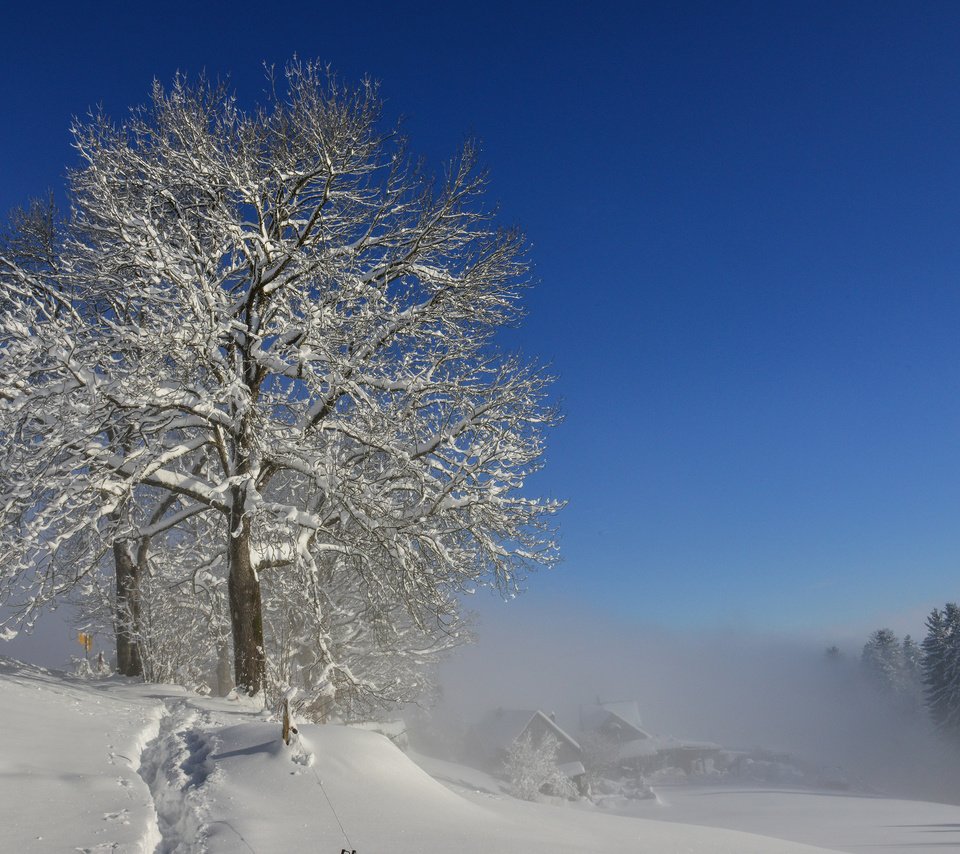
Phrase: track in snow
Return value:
(175, 765)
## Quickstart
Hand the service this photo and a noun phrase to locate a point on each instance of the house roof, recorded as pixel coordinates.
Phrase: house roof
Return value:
(500, 728)
(624, 715)
(627, 710)
(659, 744)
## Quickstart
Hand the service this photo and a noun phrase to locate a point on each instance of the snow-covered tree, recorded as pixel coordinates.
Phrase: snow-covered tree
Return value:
(180, 630)
(882, 660)
(366, 653)
(49, 539)
(940, 665)
(531, 767)
(911, 655)
(892, 667)
(600, 753)
(298, 340)
(47, 549)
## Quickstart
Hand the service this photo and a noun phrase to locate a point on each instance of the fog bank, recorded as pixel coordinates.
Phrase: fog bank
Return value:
(739, 689)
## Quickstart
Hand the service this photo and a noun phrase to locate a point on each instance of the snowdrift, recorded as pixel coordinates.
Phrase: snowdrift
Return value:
(115, 766)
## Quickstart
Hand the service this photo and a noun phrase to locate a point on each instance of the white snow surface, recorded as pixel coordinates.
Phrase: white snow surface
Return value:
(113, 765)
(846, 821)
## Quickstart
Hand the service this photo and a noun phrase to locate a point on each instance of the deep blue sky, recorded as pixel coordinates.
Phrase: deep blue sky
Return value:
(746, 223)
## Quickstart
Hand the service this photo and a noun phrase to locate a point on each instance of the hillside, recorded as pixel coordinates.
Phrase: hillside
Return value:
(111, 765)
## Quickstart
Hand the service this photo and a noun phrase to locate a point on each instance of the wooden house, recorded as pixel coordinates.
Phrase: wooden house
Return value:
(491, 739)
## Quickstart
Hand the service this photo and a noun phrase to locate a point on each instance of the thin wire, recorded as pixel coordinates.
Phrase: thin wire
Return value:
(244, 841)
(320, 783)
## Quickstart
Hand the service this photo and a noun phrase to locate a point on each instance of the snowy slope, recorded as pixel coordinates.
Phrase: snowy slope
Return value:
(68, 764)
(841, 820)
(214, 776)
(362, 793)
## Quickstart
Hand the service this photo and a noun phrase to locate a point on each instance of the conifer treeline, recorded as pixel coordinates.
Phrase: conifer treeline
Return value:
(924, 676)
(940, 662)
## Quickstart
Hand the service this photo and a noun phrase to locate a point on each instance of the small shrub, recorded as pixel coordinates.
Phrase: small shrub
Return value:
(531, 767)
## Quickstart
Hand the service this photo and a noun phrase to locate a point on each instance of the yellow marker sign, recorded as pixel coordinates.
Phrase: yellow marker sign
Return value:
(85, 640)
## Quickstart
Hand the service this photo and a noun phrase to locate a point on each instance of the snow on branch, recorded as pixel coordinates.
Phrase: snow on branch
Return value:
(263, 345)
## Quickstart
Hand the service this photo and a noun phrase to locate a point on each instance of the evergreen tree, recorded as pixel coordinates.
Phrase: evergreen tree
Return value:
(940, 664)
(912, 674)
(911, 656)
(893, 667)
(882, 660)
(933, 664)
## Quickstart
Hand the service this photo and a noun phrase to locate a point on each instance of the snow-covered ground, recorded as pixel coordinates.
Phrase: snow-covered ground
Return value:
(110, 765)
(838, 820)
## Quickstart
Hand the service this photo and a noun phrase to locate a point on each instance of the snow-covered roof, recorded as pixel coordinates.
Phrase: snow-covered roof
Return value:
(637, 748)
(641, 747)
(501, 727)
(627, 710)
(624, 715)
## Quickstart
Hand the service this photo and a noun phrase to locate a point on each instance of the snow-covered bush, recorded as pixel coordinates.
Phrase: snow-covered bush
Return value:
(669, 776)
(600, 754)
(531, 767)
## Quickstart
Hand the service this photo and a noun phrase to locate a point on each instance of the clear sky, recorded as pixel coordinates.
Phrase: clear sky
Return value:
(746, 223)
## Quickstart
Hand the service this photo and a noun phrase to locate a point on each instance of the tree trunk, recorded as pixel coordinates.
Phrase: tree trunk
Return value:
(224, 674)
(246, 610)
(129, 662)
